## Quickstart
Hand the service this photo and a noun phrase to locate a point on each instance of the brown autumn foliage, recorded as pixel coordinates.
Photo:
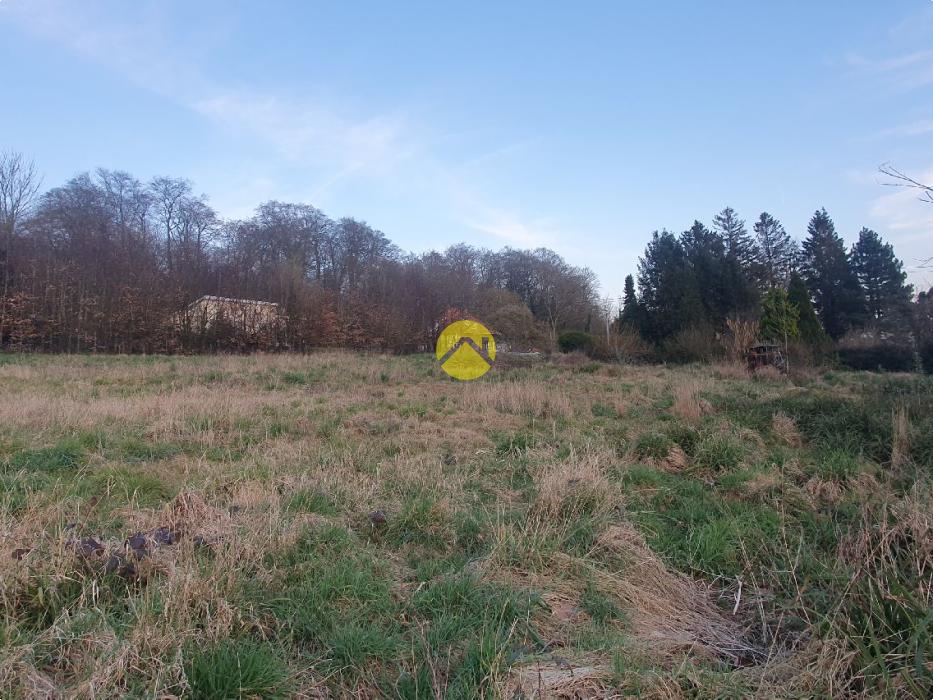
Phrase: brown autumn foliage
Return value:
(105, 263)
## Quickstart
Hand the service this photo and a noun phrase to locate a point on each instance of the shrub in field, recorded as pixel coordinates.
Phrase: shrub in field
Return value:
(575, 341)
(740, 335)
(628, 346)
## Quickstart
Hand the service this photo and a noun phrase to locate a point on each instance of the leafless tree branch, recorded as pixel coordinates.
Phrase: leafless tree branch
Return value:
(19, 185)
(903, 180)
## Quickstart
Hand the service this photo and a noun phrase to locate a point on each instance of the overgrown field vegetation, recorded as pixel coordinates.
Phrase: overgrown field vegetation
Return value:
(344, 525)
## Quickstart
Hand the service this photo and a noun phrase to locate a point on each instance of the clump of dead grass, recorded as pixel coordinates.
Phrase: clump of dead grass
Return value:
(572, 487)
(670, 612)
(676, 460)
(667, 613)
(688, 405)
(729, 370)
(557, 680)
(529, 398)
(824, 491)
(785, 429)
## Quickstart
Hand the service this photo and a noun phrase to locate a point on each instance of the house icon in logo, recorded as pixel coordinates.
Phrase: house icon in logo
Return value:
(466, 350)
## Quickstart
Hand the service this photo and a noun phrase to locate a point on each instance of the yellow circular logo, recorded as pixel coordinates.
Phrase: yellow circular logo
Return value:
(466, 349)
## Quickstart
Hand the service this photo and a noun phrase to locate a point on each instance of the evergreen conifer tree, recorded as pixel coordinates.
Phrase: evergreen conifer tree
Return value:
(741, 265)
(809, 328)
(777, 252)
(668, 289)
(706, 256)
(778, 317)
(882, 277)
(836, 292)
(630, 314)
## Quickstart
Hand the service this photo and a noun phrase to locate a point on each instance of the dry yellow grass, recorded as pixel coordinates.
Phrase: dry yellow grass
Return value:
(422, 502)
(900, 442)
(785, 428)
(687, 403)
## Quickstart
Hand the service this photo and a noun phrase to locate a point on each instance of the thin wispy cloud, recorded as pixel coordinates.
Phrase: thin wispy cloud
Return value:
(517, 233)
(883, 65)
(918, 128)
(901, 72)
(333, 144)
(298, 129)
(301, 132)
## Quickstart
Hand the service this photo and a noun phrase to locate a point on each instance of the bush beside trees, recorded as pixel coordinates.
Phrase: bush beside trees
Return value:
(576, 341)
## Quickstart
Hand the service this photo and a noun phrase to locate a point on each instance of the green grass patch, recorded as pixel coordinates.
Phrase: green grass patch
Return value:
(237, 668)
(67, 455)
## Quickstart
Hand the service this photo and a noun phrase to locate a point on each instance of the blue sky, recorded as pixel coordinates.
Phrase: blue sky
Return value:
(578, 126)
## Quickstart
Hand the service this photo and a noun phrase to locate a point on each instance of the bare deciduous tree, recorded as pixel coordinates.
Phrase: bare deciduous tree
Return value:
(901, 179)
(19, 185)
(106, 263)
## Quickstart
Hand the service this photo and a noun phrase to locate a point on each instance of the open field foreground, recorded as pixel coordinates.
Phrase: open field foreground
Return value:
(343, 525)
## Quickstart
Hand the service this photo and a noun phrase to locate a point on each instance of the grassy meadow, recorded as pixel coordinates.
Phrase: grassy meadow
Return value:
(345, 525)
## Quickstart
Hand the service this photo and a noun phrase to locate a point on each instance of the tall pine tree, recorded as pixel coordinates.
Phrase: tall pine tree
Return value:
(738, 242)
(777, 252)
(882, 276)
(631, 314)
(706, 256)
(739, 270)
(835, 288)
(668, 289)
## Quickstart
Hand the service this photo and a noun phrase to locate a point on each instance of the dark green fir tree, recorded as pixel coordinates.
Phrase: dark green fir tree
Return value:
(882, 276)
(831, 278)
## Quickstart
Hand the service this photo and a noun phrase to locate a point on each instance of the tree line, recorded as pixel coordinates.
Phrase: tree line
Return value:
(105, 261)
(814, 292)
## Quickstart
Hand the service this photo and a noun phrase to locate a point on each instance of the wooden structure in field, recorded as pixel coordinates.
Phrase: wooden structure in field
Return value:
(242, 316)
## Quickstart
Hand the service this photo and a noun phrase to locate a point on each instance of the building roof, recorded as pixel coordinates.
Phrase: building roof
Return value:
(211, 297)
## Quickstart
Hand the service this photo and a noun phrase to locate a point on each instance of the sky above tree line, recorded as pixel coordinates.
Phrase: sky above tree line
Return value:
(580, 127)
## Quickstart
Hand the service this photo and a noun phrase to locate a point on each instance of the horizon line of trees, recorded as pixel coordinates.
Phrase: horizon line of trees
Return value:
(816, 290)
(104, 261)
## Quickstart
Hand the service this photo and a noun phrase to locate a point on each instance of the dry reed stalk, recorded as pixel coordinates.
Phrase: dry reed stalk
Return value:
(740, 336)
(687, 405)
(900, 440)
